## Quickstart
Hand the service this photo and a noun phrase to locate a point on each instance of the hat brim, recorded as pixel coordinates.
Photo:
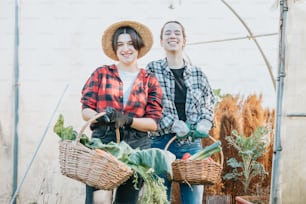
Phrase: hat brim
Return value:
(141, 29)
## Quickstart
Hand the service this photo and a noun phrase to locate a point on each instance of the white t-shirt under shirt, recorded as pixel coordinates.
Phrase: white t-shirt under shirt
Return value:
(128, 79)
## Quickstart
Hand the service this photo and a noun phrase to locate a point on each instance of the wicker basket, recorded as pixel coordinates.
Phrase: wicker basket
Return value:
(102, 171)
(196, 172)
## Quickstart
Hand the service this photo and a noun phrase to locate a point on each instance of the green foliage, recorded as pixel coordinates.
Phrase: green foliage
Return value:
(147, 163)
(65, 133)
(155, 158)
(119, 150)
(154, 189)
(249, 149)
(207, 151)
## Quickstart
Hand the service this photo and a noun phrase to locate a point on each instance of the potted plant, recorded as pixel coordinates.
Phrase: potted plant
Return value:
(252, 200)
(249, 150)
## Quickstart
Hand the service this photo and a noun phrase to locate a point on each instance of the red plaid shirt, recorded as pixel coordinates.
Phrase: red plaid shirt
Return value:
(105, 88)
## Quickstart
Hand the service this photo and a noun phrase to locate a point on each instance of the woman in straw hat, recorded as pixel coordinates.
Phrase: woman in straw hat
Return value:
(129, 95)
(188, 103)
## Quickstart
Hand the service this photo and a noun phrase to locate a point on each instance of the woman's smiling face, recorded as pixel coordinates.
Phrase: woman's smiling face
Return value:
(126, 52)
(172, 37)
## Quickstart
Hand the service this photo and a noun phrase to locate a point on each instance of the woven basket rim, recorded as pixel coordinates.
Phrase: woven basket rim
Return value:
(182, 173)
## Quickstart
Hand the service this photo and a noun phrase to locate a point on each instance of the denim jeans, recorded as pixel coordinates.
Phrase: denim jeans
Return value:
(189, 194)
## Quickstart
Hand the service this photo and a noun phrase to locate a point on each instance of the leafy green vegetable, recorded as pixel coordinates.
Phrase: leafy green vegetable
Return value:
(65, 133)
(155, 191)
(120, 150)
(84, 139)
(145, 163)
(158, 159)
(249, 149)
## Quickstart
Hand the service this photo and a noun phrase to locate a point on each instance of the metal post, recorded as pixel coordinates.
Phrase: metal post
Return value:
(280, 86)
(16, 97)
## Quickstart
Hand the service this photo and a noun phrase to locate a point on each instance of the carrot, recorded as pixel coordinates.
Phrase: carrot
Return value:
(99, 151)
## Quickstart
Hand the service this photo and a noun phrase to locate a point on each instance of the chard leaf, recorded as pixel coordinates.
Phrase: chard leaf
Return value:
(65, 133)
(119, 150)
(155, 158)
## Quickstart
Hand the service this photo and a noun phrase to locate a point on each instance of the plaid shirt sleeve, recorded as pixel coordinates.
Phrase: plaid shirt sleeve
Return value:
(154, 104)
(200, 101)
(169, 113)
(90, 91)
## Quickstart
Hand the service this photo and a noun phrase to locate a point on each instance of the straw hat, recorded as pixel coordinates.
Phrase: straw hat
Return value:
(141, 29)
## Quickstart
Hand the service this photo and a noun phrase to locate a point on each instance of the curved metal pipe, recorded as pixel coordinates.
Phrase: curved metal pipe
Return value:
(255, 41)
(280, 88)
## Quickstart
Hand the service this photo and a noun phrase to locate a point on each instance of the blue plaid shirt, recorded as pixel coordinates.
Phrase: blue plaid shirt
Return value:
(199, 100)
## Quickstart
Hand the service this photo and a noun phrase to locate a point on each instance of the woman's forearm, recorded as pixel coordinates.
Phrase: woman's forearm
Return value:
(144, 124)
(88, 113)
(141, 124)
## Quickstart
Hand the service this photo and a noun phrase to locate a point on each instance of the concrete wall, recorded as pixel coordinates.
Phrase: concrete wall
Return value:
(60, 46)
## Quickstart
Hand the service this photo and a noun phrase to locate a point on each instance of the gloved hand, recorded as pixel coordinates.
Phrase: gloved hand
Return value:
(202, 129)
(102, 120)
(181, 129)
(117, 117)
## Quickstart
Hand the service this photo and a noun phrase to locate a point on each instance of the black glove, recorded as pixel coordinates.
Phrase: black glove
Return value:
(101, 121)
(118, 118)
(104, 119)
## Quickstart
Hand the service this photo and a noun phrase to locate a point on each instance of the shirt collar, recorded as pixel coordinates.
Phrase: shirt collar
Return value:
(166, 68)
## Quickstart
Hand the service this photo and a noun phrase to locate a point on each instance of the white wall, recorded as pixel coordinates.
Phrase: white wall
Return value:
(60, 46)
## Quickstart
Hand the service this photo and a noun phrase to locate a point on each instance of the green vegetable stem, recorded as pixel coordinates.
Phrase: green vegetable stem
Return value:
(207, 151)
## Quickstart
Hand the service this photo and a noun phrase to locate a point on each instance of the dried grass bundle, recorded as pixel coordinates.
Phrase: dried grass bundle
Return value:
(252, 114)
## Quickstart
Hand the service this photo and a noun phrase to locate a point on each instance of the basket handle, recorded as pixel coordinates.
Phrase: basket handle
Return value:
(90, 121)
(210, 137)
